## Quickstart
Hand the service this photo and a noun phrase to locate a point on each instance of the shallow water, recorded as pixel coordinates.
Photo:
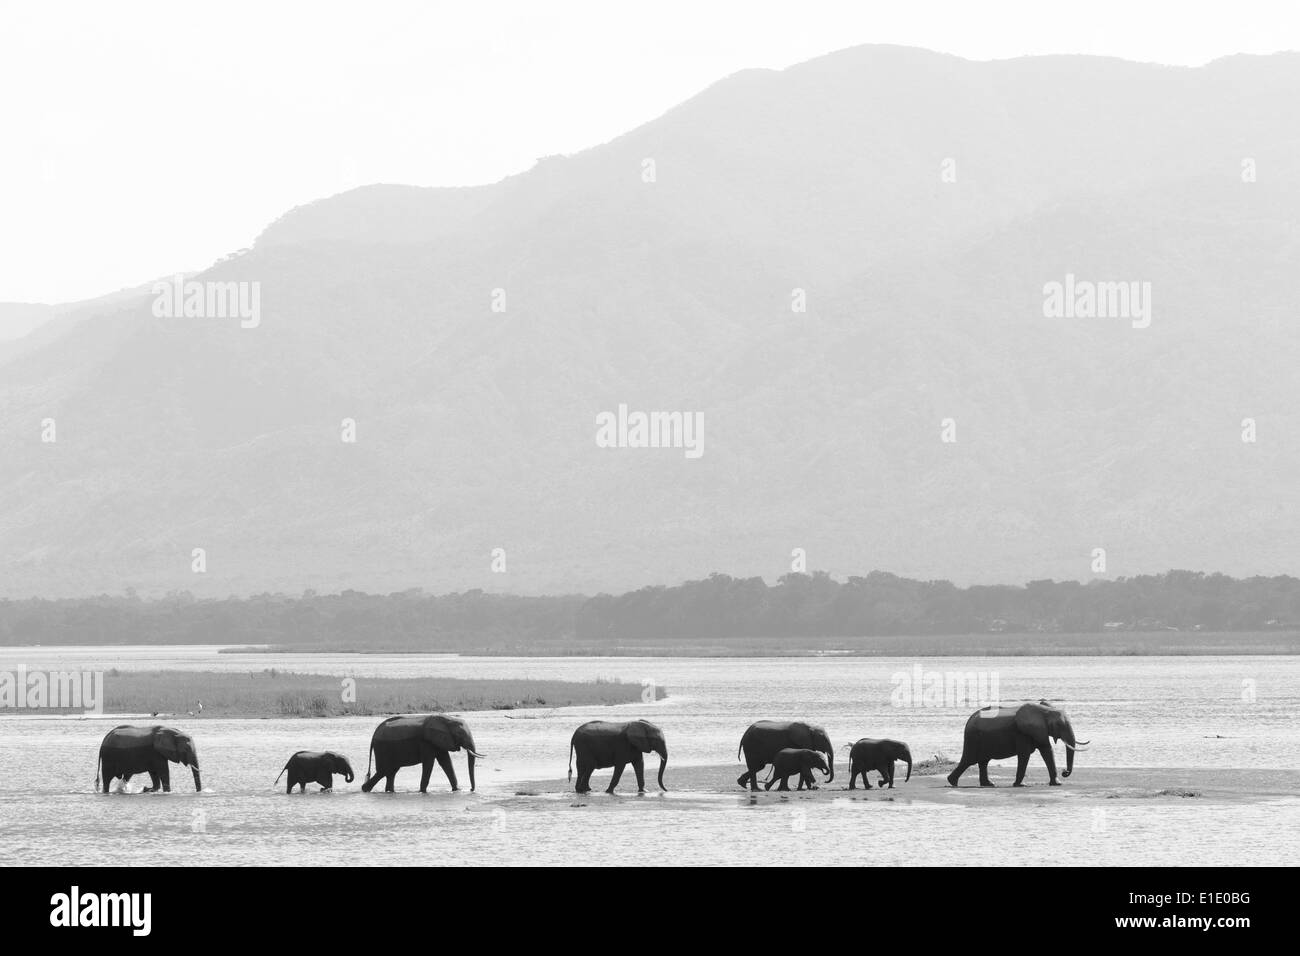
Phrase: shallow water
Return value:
(1233, 712)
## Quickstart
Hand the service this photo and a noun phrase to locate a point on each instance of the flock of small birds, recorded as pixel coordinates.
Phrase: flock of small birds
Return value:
(196, 712)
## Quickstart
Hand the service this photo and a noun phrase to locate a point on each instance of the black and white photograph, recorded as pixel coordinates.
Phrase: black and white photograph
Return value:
(579, 435)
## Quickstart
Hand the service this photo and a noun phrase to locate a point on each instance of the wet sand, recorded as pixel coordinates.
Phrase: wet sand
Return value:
(1106, 786)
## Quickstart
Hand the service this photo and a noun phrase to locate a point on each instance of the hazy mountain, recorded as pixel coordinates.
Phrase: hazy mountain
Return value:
(925, 301)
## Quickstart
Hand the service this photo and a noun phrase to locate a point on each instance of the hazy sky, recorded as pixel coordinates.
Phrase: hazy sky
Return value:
(153, 138)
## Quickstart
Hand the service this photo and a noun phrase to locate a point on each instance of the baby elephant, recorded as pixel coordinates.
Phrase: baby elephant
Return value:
(789, 762)
(879, 755)
(308, 766)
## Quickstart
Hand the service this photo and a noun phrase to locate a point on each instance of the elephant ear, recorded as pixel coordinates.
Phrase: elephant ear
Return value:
(165, 742)
(438, 732)
(638, 736)
(801, 736)
(1031, 720)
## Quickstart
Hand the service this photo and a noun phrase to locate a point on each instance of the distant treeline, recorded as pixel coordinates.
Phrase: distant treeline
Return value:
(798, 605)
(351, 620)
(803, 605)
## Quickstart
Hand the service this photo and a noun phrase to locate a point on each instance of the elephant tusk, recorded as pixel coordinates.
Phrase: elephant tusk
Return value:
(477, 755)
(1079, 747)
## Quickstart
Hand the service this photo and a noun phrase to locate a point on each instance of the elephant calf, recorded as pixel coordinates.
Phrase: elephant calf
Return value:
(308, 766)
(879, 755)
(786, 763)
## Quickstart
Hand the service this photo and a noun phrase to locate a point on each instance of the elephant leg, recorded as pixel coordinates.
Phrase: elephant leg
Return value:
(1045, 749)
(293, 782)
(153, 783)
(584, 775)
(638, 767)
(326, 780)
(753, 776)
(392, 775)
(426, 771)
(853, 773)
(109, 772)
(369, 783)
(984, 774)
(618, 773)
(1022, 763)
(444, 761)
(958, 770)
(785, 783)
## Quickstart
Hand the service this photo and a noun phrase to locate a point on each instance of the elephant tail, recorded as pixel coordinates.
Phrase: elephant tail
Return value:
(282, 770)
(99, 761)
(370, 756)
(570, 759)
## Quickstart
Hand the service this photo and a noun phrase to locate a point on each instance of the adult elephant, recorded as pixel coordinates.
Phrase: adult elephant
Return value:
(995, 733)
(422, 739)
(765, 738)
(308, 766)
(128, 750)
(599, 744)
(869, 754)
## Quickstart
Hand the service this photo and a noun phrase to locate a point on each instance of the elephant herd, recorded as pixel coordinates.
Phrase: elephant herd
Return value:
(791, 749)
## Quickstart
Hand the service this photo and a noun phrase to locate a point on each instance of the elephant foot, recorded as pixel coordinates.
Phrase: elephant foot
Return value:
(987, 783)
(1017, 784)
(455, 789)
(1053, 783)
(952, 780)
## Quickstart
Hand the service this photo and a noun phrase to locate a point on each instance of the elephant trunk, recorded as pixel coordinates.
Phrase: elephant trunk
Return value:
(907, 755)
(830, 762)
(198, 782)
(1068, 737)
(348, 776)
(471, 757)
(663, 762)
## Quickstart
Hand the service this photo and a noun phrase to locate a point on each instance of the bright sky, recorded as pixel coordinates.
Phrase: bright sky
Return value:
(145, 139)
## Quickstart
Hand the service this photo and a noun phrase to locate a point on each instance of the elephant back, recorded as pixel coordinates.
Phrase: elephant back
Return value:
(127, 737)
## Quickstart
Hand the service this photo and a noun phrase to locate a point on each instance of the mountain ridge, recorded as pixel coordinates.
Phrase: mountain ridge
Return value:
(924, 302)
